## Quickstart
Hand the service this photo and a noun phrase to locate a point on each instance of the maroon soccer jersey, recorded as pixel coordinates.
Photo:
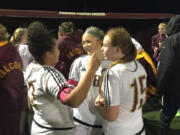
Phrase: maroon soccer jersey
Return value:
(70, 48)
(157, 41)
(11, 89)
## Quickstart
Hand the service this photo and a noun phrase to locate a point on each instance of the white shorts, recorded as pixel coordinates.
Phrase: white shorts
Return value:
(36, 130)
(85, 130)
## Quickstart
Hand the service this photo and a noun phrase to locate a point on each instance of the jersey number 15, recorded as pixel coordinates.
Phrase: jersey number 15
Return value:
(139, 92)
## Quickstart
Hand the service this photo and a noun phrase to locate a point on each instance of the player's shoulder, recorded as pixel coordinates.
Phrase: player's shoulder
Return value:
(115, 70)
(139, 64)
(41, 70)
(81, 59)
(33, 70)
(50, 70)
(140, 68)
(126, 67)
(84, 57)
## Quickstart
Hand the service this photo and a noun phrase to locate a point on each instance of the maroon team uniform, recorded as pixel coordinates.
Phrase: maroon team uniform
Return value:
(157, 41)
(70, 48)
(11, 89)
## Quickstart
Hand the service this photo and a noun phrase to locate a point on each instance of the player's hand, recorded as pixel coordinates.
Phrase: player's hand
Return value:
(155, 49)
(99, 53)
(99, 101)
(93, 63)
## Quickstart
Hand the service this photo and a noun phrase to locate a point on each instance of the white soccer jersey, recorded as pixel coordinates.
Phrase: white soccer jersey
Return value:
(44, 84)
(125, 85)
(86, 112)
(25, 55)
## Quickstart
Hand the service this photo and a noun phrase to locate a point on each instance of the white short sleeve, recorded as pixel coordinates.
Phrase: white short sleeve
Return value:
(74, 73)
(53, 81)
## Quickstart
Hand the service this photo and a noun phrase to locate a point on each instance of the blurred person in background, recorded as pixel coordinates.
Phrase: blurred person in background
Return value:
(19, 40)
(11, 85)
(157, 41)
(168, 75)
(69, 41)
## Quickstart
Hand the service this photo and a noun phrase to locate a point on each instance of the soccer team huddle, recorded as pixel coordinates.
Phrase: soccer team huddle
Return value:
(82, 83)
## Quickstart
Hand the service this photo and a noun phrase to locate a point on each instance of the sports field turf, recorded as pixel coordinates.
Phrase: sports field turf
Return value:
(151, 119)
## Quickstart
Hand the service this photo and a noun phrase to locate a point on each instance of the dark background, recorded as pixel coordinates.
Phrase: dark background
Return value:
(141, 29)
(128, 6)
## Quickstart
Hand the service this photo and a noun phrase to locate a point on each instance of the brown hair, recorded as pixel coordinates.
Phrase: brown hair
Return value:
(4, 35)
(95, 31)
(121, 38)
(66, 28)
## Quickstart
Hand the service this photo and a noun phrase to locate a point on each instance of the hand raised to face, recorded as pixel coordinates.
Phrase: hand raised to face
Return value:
(99, 53)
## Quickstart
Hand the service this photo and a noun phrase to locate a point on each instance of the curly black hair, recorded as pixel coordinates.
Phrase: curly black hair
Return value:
(40, 40)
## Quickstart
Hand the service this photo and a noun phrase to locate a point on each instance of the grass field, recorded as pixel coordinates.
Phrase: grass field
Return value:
(151, 119)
